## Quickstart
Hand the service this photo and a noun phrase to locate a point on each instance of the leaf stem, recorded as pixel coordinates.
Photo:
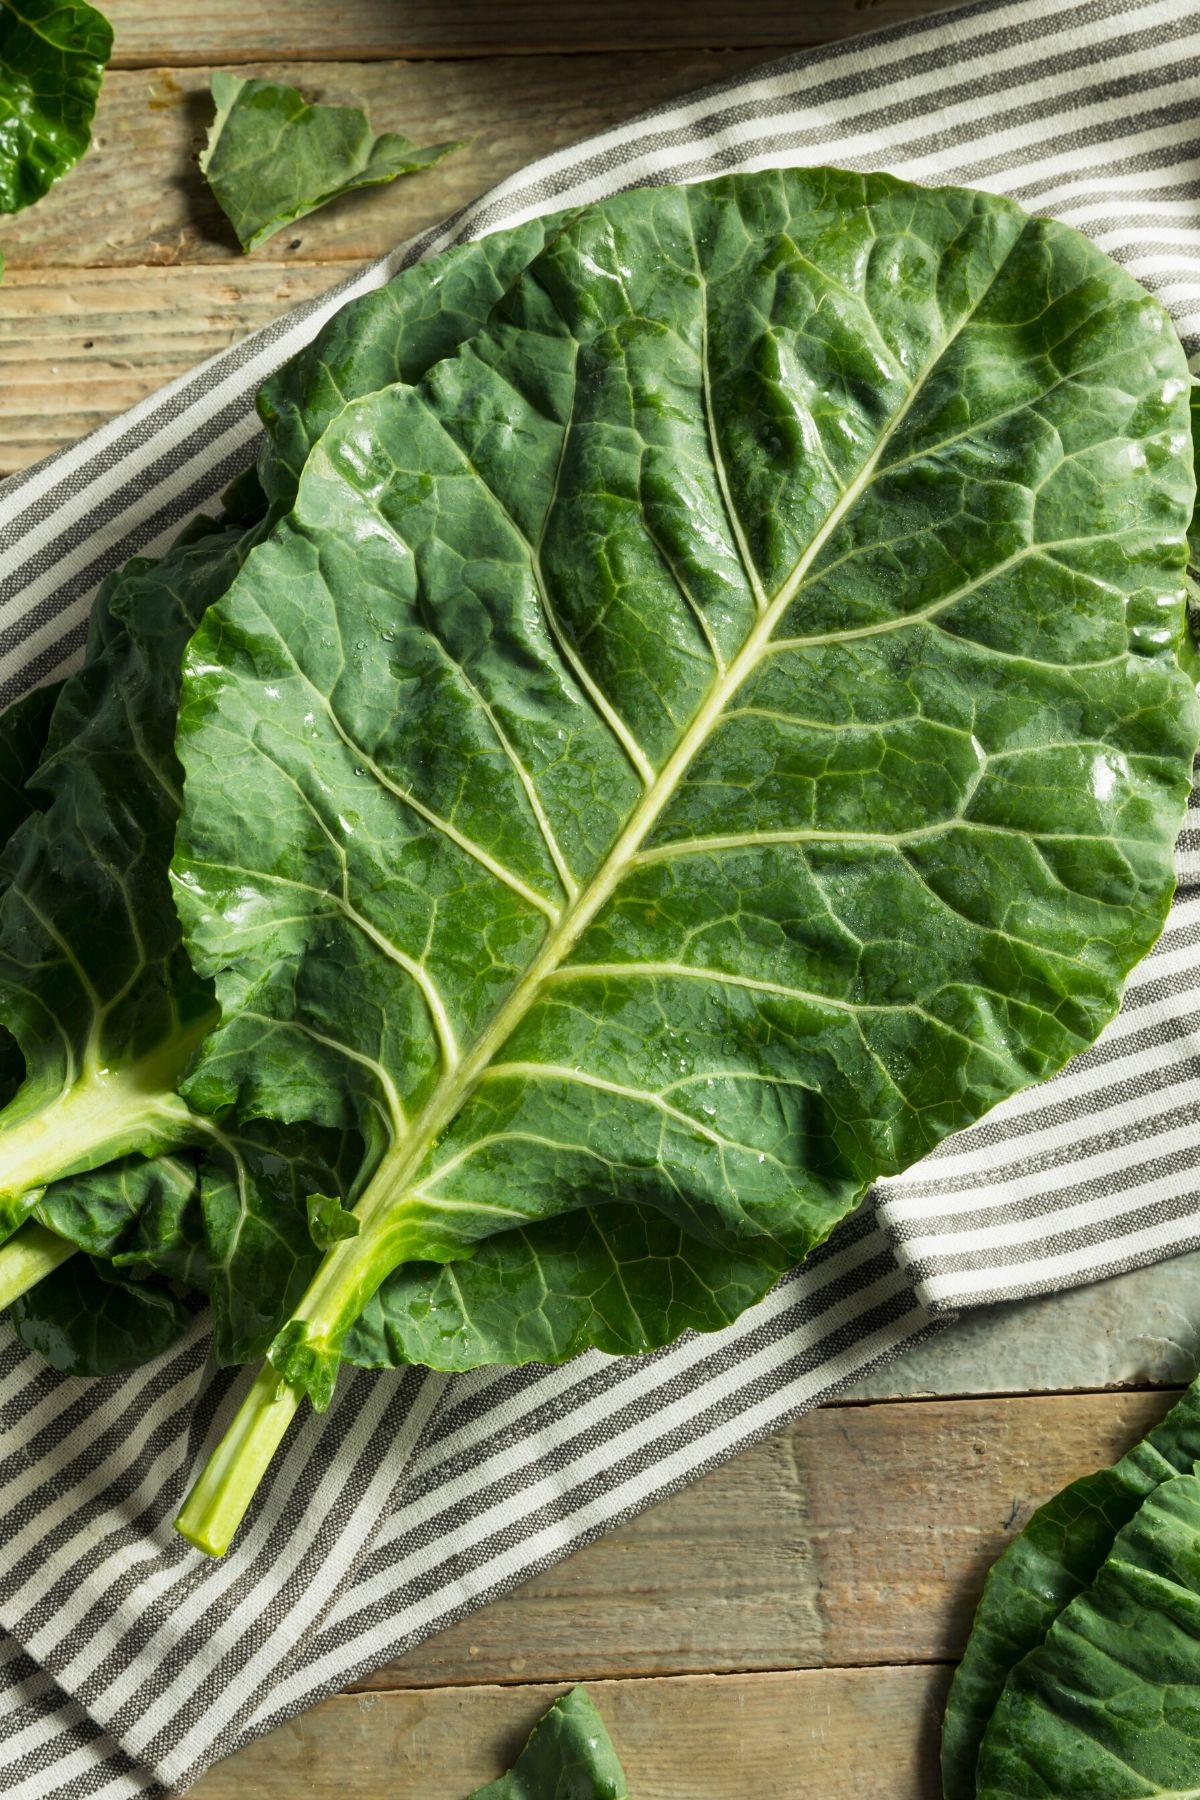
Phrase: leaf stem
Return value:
(104, 1114)
(28, 1257)
(217, 1503)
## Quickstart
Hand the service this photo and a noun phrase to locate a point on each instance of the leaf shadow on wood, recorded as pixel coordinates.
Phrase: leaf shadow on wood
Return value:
(206, 222)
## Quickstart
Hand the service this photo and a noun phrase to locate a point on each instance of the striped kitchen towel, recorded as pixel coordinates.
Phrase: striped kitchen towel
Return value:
(130, 1662)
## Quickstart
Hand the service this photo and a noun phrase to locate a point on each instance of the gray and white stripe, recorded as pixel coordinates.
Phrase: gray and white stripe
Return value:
(128, 1663)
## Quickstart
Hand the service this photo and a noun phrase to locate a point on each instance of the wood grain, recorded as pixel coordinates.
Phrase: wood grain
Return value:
(843, 1734)
(77, 347)
(139, 197)
(860, 1535)
(175, 31)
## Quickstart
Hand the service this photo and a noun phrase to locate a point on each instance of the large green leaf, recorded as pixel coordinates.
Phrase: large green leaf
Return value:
(52, 56)
(718, 733)
(273, 156)
(1055, 1557)
(1108, 1708)
(569, 1756)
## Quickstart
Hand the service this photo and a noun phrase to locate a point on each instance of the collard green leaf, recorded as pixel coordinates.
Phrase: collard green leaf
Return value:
(394, 334)
(86, 1320)
(716, 734)
(1108, 1707)
(1056, 1556)
(94, 983)
(273, 156)
(569, 1756)
(623, 1280)
(52, 57)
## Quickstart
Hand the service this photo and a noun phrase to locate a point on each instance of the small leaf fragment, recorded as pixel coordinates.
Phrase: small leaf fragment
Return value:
(328, 1221)
(569, 1756)
(273, 156)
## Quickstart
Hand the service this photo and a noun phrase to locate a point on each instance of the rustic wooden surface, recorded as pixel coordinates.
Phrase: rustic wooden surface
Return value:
(784, 1628)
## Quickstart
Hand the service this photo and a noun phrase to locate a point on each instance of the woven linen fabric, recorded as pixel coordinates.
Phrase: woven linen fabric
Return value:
(128, 1662)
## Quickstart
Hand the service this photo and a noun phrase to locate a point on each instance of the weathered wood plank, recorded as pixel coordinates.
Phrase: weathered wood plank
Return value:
(250, 30)
(860, 1535)
(845, 1734)
(139, 197)
(78, 346)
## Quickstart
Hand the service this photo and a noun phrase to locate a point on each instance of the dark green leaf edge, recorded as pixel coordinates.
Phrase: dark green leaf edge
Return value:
(1106, 1708)
(1055, 1558)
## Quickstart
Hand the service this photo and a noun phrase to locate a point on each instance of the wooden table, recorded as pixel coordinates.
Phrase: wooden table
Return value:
(786, 1627)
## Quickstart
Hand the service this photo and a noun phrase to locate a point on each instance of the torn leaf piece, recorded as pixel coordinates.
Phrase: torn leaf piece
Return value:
(569, 1756)
(273, 156)
(329, 1222)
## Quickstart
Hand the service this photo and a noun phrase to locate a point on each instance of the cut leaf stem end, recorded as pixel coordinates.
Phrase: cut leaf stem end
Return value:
(218, 1502)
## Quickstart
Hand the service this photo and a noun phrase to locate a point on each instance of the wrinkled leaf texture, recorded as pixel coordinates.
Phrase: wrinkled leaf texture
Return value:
(717, 733)
(1106, 1708)
(1054, 1558)
(86, 1319)
(273, 156)
(52, 58)
(394, 334)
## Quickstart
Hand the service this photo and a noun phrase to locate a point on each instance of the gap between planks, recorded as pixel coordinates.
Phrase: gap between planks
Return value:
(872, 1530)
(841, 1734)
(237, 31)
